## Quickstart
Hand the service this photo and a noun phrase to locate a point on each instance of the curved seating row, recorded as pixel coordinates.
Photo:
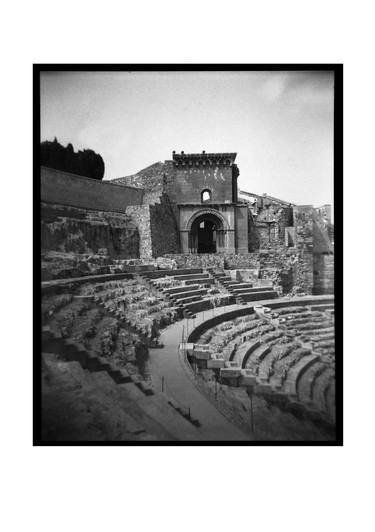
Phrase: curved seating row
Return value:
(274, 359)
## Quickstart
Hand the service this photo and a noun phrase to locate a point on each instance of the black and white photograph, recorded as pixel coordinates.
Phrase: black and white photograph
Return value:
(187, 266)
(187, 254)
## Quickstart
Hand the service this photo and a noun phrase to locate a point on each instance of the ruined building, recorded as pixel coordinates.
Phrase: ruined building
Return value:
(189, 208)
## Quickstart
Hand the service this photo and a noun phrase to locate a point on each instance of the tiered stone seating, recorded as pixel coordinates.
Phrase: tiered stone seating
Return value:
(157, 274)
(192, 291)
(245, 292)
(125, 411)
(116, 320)
(276, 362)
(320, 385)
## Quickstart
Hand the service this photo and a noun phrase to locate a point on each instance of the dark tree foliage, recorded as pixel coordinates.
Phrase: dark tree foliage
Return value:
(86, 162)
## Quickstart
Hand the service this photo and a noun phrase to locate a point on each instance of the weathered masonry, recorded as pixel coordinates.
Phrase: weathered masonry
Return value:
(210, 218)
(189, 207)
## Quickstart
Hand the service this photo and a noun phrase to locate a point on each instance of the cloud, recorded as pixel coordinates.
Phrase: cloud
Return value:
(298, 88)
(274, 87)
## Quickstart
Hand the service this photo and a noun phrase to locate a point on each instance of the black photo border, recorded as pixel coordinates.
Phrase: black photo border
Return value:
(337, 69)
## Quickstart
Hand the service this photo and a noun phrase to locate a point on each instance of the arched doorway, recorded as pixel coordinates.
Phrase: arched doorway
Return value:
(206, 234)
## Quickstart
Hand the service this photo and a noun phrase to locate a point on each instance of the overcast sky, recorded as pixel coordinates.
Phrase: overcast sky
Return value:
(279, 123)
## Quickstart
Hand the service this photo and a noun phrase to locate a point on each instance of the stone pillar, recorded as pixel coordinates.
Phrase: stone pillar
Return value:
(184, 239)
(242, 223)
(230, 245)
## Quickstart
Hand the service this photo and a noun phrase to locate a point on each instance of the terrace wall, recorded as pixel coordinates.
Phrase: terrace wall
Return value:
(83, 192)
(72, 230)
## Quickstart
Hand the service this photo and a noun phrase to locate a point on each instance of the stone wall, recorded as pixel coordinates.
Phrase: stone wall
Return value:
(303, 222)
(253, 234)
(190, 182)
(242, 237)
(202, 260)
(76, 191)
(267, 229)
(69, 229)
(164, 228)
(140, 214)
(324, 274)
(155, 179)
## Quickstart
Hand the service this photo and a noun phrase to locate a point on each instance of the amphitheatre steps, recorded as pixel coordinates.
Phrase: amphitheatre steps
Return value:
(307, 381)
(184, 301)
(255, 356)
(322, 307)
(244, 351)
(157, 274)
(283, 371)
(319, 387)
(92, 381)
(206, 304)
(323, 337)
(258, 296)
(208, 281)
(265, 366)
(187, 296)
(330, 398)
(179, 289)
(237, 284)
(249, 290)
(69, 351)
(165, 412)
(296, 372)
(191, 277)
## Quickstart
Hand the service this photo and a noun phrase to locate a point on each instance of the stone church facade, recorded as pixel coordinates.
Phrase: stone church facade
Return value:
(210, 219)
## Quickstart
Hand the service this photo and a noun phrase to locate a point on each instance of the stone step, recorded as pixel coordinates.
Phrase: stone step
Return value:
(189, 299)
(178, 289)
(238, 284)
(245, 350)
(179, 297)
(239, 291)
(156, 274)
(202, 282)
(258, 296)
(296, 372)
(191, 276)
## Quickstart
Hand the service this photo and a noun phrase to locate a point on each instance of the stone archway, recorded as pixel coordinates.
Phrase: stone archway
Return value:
(206, 233)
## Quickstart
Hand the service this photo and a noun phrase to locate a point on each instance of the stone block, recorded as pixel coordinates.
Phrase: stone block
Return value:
(247, 378)
(229, 364)
(186, 346)
(263, 389)
(215, 364)
(201, 355)
(227, 373)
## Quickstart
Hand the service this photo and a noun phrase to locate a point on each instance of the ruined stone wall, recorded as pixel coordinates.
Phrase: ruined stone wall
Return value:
(164, 228)
(202, 260)
(241, 221)
(69, 229)
(324, 274)
(155, 179)
(157, 218)
(303, 222)
(140, 214)
(284, 220)
(267, 229)
(253, 235)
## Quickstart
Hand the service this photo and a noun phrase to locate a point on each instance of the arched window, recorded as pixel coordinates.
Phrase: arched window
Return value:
(205, 195)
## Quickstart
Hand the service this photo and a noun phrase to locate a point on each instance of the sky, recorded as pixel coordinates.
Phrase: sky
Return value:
(280, 124)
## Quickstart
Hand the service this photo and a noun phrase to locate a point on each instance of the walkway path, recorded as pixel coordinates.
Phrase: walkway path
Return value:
(179, 381)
